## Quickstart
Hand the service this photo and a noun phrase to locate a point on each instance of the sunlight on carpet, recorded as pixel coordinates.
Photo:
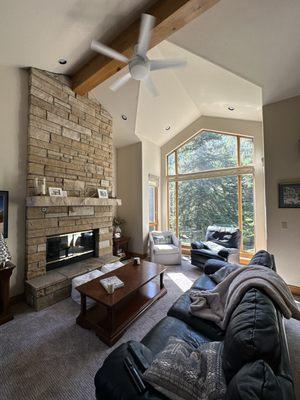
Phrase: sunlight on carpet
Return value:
(182, 281)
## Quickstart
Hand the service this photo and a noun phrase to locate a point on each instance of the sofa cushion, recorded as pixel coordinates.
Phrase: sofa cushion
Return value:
(255, 381)
(203, 283)
(252, 334)
(184, 372)
(165, 249)
(181, 310)
(112, 381)
(221, 274)
(157, 339)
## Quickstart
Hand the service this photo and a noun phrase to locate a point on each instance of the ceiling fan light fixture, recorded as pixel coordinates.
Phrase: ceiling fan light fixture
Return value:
(139, 65)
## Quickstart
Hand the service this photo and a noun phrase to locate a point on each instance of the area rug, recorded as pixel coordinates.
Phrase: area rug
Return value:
(45, 356)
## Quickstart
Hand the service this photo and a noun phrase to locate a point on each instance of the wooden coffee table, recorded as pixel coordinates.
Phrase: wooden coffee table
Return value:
(113, 313)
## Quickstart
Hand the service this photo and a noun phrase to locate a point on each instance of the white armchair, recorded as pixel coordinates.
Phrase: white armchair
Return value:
(165, 248)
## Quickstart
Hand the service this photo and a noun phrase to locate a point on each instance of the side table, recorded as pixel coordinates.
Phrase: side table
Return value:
(120, 247)
(5, 274)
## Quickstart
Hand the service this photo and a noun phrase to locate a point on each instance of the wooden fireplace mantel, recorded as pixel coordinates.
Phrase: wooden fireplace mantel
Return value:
(47, 201)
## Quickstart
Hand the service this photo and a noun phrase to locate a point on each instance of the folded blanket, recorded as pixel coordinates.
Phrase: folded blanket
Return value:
(218, 304)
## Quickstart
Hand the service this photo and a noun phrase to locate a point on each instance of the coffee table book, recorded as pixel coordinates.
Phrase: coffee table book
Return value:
(113, 280)
(114, 313)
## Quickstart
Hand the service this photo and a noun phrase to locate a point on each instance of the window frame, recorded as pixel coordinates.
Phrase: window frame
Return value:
(238, 171)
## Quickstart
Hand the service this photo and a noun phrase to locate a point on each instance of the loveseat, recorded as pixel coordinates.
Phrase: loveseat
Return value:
(255, 357)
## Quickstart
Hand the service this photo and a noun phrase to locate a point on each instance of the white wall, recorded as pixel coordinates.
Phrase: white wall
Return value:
(282, 153)
(13, 134)
(250, 128)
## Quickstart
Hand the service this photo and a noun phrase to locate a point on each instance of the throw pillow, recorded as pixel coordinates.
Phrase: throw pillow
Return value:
(162, 239)
(255, 381)
(215, 247)
(184, 372)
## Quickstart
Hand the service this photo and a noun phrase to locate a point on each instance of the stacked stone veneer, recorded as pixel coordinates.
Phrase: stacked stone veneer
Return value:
(70, 144)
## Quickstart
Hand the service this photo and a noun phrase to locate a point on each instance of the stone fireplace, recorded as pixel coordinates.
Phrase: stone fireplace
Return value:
(70, 145)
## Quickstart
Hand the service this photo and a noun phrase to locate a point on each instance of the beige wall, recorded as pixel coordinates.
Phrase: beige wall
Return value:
(134, 164)
(250, 128)
(130, 190)
(151, 156)
(13, 133)
(282, 153)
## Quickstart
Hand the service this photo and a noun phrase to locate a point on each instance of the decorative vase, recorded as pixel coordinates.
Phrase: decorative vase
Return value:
(118, 232)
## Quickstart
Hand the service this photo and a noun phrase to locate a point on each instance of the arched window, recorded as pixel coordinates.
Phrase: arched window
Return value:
(210, 181)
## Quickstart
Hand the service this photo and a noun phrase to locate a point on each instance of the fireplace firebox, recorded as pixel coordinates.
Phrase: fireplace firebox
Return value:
(70, 247)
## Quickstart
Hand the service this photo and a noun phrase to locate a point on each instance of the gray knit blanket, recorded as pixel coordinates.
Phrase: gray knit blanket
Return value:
(218, 304)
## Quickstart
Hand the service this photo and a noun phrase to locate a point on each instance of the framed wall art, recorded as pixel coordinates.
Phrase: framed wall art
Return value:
(289, 195)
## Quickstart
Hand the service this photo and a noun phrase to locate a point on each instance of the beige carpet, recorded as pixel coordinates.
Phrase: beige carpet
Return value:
(46, 356)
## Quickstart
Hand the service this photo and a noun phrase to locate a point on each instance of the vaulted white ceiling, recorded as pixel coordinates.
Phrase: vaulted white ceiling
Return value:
(253, 39)
(201, 88)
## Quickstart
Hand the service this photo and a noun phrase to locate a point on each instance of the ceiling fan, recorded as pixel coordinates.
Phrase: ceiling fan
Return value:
(140, 65)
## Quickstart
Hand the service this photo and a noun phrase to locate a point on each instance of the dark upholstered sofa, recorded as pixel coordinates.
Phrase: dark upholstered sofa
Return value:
(255, 357)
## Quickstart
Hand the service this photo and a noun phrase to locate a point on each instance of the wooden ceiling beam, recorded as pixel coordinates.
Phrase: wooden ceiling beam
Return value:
(171, 15)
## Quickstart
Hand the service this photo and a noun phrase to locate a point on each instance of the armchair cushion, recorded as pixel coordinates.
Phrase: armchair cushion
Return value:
(165, 249)
(162, 239)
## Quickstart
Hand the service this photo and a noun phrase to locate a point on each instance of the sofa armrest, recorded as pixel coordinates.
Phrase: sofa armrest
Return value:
(176, 241)
(198, 245)
(211, 266)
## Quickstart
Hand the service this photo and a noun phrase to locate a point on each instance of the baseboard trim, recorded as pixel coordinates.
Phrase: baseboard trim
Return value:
(17, 299)
(295, 290)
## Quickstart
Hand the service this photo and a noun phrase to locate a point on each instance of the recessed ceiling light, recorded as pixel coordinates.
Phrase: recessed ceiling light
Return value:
(124, 117)
(167, 128)
(230, 108)
(62, 61)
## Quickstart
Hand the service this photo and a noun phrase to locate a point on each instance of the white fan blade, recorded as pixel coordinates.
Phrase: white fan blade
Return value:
(120, 82)
(165, 64)
(107, 51)
(150, 86)
(147, 25)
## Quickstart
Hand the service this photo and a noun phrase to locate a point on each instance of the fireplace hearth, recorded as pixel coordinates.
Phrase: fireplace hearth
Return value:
(71, 247)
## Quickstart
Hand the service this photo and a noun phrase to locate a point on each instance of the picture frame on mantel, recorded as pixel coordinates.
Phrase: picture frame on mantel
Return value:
(55, 192)
(102, 194)
(289, 195)
(4, 213)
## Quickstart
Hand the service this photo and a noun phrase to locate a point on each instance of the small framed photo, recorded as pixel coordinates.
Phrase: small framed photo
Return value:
(289, 195)
(102, 194)
(55, 192)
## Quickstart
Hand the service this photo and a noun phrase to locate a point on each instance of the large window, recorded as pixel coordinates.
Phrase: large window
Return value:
(210, 181)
